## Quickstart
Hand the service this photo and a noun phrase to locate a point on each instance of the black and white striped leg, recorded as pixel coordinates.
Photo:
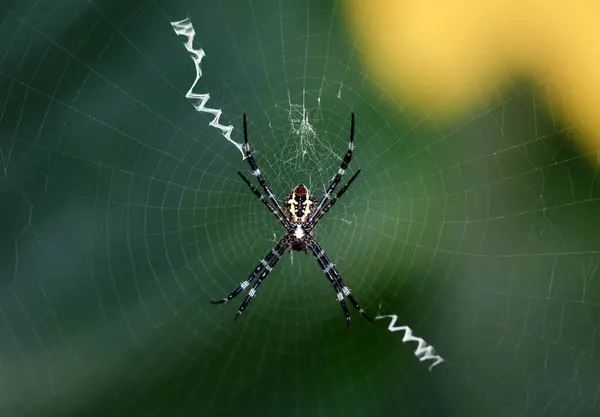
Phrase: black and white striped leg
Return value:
(264, 264)
(334, 284)
(268, 268)
(256, 172)
(318, 217)
(326, 264)
(338, 177)
(283, 220)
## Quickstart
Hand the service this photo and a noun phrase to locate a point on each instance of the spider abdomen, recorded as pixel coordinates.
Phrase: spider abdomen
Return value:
(299, 204)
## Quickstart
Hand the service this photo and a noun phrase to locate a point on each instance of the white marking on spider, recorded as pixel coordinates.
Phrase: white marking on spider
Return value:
(351, 147)
(346, 290)
(340, 297)
(244, 285)
(341, 171)
(251, 292)
(263, 262)
(320, 254)
(256, 172)
(269, 268)
(328, 268)
(298, 233)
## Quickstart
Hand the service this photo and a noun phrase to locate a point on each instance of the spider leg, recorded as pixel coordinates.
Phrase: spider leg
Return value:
(277, 253)
(263, 264)
(257, 174)
(329, 267)
(338, 177)
(318, 217)
(334, 284)
(283, 220)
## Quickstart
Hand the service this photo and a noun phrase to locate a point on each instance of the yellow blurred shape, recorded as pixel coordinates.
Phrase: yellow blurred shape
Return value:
(448, 56)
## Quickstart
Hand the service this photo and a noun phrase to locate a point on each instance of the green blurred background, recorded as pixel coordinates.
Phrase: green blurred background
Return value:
(122, 215)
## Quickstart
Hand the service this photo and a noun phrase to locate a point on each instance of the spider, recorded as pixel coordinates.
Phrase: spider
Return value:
(301, 214)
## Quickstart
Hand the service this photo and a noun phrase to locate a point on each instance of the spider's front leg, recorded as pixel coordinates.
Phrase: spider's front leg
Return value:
(282, 219)
(338, 177)
(318, 216)
(274, 203)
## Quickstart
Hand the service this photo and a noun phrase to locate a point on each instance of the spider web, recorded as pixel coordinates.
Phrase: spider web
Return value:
(122, 215)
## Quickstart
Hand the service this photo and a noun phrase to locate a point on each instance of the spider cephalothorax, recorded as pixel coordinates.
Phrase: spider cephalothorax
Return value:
(300, 214)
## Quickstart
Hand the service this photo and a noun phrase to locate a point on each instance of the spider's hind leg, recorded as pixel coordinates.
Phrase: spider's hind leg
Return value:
(332, 274)
(265, 264)
(276, 253)
(334, 284)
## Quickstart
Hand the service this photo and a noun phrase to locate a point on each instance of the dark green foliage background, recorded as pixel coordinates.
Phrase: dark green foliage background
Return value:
(122, 215)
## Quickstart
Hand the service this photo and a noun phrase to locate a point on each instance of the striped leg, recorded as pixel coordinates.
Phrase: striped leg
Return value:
(326, 269)
(318, 217)
(263, 264)
(338, 177)
(277, 253)
(328, 266)
(257, 174)
(283, 220)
